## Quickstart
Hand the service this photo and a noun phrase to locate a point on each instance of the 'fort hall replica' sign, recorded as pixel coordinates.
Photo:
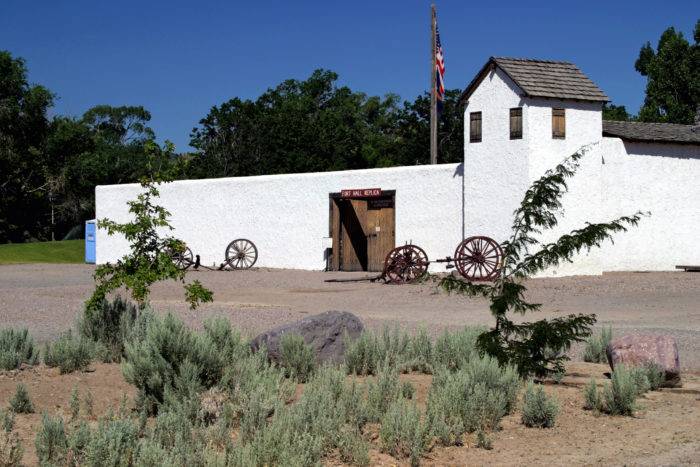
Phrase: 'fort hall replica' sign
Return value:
(361, 193)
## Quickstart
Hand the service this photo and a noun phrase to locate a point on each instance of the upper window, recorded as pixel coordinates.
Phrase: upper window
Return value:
(475, 127)
(516, 123)
(558, 124)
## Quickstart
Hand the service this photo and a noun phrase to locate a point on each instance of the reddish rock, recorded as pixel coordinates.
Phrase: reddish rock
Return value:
(637, 350)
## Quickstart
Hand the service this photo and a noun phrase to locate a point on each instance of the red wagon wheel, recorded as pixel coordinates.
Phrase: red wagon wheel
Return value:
(479, 258)
(182, 259)
(241, 254)
(405, 264)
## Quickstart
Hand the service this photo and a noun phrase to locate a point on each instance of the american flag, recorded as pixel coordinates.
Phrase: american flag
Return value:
(439, 71)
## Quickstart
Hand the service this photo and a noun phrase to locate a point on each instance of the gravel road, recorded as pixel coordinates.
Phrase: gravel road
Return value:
(47, 298)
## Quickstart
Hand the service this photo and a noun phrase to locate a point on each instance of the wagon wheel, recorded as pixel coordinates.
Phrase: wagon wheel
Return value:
(405, 264)
(182, 259)
(241, 254)
(479, 258)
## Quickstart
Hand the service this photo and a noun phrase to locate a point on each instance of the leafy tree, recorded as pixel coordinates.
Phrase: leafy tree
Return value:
(616, 112)
(673, 78)
(23, 129)
(537, 347)
(150, 258)
(413, 129)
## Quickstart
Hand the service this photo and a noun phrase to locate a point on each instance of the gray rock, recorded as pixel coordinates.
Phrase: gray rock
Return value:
(324, 333)
(637, 350)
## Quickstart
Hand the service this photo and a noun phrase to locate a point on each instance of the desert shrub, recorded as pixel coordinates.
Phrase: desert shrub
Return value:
(20, 402)
(297, 358)
(419, 353)
(655, 375)
(455, 350)
(69, 353)
(352, 448)
(51, 442)
(472, 398)
(109, 323)
(78, 442)
(382, 391)
(112, 443)
(362, 355)
(7, 419)
(591, 396)
(74, 403)
(11, 449)
(16, 347)
(154, 359)
(639, 376)
(407, 390)
(483, 441)
(402, 432)
(621, 392)
(539, 410)
(353, 405)
(594, 350)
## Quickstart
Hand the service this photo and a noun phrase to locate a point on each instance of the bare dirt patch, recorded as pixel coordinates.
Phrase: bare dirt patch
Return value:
(664, 431)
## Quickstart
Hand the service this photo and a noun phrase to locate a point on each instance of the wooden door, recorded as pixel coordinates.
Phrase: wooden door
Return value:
(379, 228)
(353, 239)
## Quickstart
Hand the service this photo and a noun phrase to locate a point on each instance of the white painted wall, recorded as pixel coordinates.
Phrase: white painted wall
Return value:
(495, 169)
(665, 180)
(286, 216)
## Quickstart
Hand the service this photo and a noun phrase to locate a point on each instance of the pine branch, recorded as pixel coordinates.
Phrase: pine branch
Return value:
(592, 235)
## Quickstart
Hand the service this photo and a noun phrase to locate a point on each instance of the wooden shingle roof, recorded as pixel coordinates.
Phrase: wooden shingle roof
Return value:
(542, 78)
(652, 132)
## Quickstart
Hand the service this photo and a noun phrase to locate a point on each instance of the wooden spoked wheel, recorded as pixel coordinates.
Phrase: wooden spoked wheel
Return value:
(182, 259)
(405, 264)
(241, 254)
(479, 258)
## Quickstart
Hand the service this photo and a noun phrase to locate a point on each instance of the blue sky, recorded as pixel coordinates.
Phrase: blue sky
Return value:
(179, 58)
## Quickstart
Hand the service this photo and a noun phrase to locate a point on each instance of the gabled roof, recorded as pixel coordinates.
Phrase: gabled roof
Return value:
(542, 78)
(652, 132)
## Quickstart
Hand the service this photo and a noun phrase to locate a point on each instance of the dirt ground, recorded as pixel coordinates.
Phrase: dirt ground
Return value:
(47, 299)
(665, 431)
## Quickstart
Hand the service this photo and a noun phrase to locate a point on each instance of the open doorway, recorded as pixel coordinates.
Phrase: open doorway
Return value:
(363, 230)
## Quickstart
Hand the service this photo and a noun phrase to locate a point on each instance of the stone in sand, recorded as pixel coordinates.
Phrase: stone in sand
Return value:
(638, 350)
(324, 333)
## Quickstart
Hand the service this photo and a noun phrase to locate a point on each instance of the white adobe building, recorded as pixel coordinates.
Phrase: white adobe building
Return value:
(522, 117)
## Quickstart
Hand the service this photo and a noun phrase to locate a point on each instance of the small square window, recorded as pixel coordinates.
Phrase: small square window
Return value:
(558, 124)
(516, 123)
(475, 127)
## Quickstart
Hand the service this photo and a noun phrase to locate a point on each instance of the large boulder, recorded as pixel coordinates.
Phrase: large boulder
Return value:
(324, 333)
(638, 350)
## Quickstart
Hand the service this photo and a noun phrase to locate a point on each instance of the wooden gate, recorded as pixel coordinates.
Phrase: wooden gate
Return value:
(363, 231)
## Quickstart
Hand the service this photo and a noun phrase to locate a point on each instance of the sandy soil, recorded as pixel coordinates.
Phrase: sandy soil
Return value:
(664, 432)
(47, 299)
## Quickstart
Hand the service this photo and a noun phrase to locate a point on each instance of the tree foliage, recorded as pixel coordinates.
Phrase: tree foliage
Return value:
(537, 348)
(673, 77)
(150, 256)
(316, 125)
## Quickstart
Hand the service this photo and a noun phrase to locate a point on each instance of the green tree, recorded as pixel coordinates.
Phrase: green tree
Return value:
(673, 78)
(413, 130)
(616, 112)
(23, 129)
(150, 256)
(537, 347)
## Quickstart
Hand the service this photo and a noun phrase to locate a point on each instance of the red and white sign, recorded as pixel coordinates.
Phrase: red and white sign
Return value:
(361, 193)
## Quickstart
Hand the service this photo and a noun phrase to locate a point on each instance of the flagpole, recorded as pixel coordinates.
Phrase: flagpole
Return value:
(433, 97)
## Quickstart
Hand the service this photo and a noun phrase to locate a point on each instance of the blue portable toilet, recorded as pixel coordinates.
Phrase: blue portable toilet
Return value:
(90, 231)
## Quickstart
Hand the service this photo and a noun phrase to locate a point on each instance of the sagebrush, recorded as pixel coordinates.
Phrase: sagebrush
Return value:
(16, 347)
(539, 409)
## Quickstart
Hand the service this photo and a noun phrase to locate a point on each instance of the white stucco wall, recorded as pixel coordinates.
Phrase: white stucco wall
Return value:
(495, 169)
(286, 216)
(665, 180)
